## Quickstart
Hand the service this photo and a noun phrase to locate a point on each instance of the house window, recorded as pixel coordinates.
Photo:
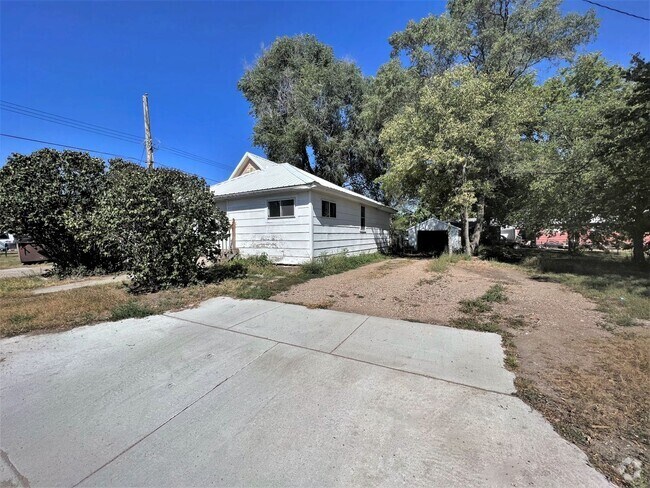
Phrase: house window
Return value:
(363, 218)
(328, 209)
(281, 208)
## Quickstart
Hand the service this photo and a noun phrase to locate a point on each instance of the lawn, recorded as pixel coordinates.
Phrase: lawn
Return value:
(21, 312)
(9, 260)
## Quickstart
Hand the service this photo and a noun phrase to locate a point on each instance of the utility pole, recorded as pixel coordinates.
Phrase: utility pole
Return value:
(147, 131)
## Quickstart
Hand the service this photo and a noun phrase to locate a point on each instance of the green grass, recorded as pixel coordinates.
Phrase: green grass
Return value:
(441, 263)
(620, 288)
(495, 294)
(130, 310)
(338, 263)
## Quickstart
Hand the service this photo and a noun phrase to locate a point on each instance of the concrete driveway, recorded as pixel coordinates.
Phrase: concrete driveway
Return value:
(255, 393)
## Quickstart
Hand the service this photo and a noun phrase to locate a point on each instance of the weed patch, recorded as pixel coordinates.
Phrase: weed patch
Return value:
(130, 310)
(441, 263)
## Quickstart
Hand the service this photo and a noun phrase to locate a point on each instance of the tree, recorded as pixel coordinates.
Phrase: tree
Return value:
(625, 152)
(494, 36)
(160, 221)
(446, 146)
(503, 39)
(305, 100)
(565, 168)
(48, 196)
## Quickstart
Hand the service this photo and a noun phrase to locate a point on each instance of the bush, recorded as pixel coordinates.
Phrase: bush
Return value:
(220, 272)
(49, 196)
(154, 223)
(159, 222)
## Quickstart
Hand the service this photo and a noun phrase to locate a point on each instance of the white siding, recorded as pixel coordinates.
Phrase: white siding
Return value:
(285, 240)
(343, 233)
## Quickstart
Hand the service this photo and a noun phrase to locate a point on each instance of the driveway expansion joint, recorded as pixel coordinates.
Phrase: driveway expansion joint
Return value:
(174, 416)
(435, 378)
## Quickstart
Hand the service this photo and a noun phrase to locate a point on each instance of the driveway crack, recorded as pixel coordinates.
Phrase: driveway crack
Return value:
(24, 482)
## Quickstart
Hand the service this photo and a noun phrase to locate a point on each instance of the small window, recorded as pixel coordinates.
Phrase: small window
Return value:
(363, 218)
(328, 209)
(281, 208)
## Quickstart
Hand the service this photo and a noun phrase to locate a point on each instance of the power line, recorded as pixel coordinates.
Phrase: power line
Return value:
(94, 151)
(104, 131)
(617, 10)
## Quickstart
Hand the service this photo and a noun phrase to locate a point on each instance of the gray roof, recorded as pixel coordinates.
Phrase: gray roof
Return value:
(275, 177)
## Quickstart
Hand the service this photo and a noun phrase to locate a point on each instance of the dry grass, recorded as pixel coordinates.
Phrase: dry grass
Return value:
(10, 260)
(21, 312)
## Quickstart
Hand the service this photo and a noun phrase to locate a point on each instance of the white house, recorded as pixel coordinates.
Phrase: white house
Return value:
(294, 216)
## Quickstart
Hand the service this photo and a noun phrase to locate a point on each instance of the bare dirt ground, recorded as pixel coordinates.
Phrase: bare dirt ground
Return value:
(590, 382)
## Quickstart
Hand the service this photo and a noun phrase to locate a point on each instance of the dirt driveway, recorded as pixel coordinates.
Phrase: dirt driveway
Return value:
(588, 381)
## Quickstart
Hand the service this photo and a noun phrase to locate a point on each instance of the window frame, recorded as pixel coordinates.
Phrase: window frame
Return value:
(330, 205)
(362, 219)
(280, 200)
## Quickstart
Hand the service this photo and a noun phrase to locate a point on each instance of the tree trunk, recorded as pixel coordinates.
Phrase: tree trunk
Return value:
(478, 229)
(468, 249)
(304, 160)
(637, 246)
(573, 238)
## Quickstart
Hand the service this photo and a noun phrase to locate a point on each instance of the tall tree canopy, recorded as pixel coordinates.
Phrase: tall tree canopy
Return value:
(501, 40)
(625, 152)
(446, 147)
(505, 36)
(304, 99)
(562, 171)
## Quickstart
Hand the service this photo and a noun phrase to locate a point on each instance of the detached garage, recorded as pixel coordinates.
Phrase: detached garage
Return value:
(434, 236)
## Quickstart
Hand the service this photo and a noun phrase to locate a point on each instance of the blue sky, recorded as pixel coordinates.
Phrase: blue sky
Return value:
(92, 61)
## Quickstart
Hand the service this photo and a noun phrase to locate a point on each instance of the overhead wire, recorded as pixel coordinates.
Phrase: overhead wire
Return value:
(105, 153)
(607, 7)
(104, 131)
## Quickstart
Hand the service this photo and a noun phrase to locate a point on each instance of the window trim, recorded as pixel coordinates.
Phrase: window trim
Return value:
(330, 203)
(280, 199)
(362, 220)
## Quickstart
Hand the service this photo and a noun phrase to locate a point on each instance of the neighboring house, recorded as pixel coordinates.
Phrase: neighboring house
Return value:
(294, 216)
(434, 236)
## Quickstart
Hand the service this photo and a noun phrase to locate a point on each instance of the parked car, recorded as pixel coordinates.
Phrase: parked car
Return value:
(7, 241)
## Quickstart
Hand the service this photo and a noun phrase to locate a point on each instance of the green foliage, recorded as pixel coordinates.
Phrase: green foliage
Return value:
(302, 98)
(450, 145)
(220, 272)
(154, 223)
(496, 293)
(493, 36)
(625, 184)
(441, 263)
(159, 222)
(48, 196)
(337, 263)
(131, 309)
(562, 170)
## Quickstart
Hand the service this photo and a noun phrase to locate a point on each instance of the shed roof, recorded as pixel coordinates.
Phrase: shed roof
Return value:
(272, 176)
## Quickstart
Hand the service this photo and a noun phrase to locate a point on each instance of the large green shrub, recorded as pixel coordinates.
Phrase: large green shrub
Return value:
(153, 223)
(48, 195)
(159, 221)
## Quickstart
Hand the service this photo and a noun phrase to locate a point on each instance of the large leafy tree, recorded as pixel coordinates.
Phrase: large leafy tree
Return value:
(565, 168)
(501, 39)
(504, 36)
(624, 187)
(446, 147)
(305, 100)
